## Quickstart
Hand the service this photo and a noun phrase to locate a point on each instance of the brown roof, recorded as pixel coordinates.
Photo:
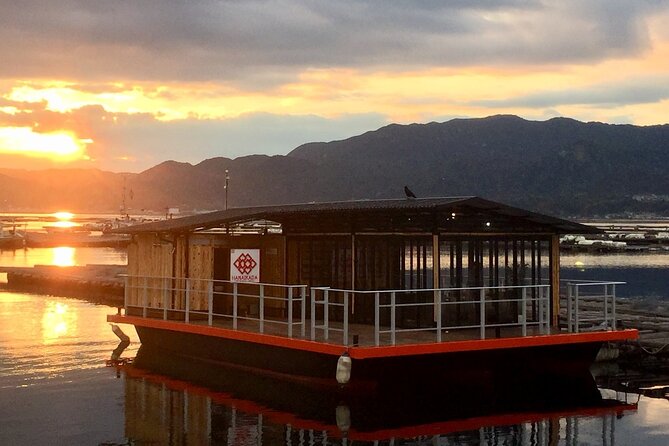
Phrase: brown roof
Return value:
(408, 215)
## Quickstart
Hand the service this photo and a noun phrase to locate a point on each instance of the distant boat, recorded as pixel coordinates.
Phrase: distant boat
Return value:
(56, 229)
(10, 238)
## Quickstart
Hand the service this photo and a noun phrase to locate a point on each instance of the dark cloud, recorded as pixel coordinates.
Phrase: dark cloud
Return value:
(265, 42)
(634, 91)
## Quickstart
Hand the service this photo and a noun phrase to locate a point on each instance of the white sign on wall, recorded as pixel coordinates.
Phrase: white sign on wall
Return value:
(245, 265)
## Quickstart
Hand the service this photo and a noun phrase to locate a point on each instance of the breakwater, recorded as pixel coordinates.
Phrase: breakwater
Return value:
(95, 283)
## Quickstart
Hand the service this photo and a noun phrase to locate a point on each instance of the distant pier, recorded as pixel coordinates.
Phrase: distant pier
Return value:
(96, 283)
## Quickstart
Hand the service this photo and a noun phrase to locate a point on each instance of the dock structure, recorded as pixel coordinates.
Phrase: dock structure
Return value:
(441, 285)
(96, 283)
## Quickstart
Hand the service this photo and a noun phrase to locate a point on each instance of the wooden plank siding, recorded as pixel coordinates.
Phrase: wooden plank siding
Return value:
(200, 266)
(148, 256)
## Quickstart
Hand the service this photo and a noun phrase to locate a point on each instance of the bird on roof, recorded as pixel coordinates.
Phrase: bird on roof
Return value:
(408, 192)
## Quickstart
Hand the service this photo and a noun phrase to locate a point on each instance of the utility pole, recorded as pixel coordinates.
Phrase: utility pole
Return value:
(227, 179)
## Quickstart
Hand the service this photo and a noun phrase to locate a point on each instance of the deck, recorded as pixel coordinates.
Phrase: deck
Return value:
(405, 321)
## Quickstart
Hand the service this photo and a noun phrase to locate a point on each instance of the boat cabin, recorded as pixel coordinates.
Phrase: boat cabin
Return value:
(396, 285)
(409, 244)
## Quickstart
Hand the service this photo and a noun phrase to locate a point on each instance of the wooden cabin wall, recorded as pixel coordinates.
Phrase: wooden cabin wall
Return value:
(149, 265)
(180, 273)
(200, 271)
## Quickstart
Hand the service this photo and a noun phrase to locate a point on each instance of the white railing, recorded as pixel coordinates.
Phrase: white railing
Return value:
(380, 317)
(589, 305)
(239, 305)
(443, 310)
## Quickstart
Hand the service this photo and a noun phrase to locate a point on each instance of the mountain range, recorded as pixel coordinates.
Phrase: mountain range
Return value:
(560, 166)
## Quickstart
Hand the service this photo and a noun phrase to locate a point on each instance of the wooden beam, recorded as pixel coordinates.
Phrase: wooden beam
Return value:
(555, 277)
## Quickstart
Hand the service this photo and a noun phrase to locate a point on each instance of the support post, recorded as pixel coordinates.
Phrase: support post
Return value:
(261, 310)
(606, 305)
(569, 308)
(577, 322)
(436, 271)
(313, 314)
(482, 305)
(210, 302)
(290, 312)
(523, 312)
(164, 293)
(126, 293)
(555, 279)
(438, 314)
(614, 323)
(303, 305)
(392, 318)
(235, 305)
(145, 296)
(187, 303)
(326, 315)
(346, 318)
(376, 319)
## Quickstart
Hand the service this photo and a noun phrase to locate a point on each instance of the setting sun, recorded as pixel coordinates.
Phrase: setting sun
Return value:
(59, 146)
(63, 215)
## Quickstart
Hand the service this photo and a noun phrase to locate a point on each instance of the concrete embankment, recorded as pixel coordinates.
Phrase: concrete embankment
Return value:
(95, 283)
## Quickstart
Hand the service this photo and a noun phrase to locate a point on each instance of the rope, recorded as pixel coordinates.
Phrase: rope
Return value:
(651, 352)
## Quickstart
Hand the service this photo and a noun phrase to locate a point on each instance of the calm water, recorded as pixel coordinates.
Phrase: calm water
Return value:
(56, 389)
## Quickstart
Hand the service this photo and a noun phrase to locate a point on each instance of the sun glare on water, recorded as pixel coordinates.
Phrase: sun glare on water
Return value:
(59, 146)
(63, 256)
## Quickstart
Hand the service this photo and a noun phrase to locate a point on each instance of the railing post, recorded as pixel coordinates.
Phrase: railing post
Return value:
(187, 306)
(614, 323)
(165, 281)
(346, 318)
(126, 293)
(569, 306)
(606, 305)
(290, 312)
(545, 308)
(210, 302)
(145, 296)
(235, 305)
(376, 319)
(313, 314)
(262, 308)
(523, 312)
(392, 318)
(303, 307)
(577, 322)
(482, 304)
(438, 316)
(326, 314)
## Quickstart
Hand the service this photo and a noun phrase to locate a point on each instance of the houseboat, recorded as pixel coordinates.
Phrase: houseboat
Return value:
(368, 291)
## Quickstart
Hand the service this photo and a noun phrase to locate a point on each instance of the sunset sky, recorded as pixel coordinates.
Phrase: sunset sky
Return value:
(123, 85)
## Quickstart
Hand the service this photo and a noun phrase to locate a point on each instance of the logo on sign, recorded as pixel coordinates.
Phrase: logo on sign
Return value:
(245, 265)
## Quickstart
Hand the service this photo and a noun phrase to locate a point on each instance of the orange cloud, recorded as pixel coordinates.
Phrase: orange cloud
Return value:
(61, 146)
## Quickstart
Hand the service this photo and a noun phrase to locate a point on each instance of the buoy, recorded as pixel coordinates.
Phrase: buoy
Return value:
(343, 417)
(344, 364)
(118, 332)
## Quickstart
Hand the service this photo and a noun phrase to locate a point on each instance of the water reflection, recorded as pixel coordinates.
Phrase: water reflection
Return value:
(178, 401)
(57, 321)
(63, 256)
